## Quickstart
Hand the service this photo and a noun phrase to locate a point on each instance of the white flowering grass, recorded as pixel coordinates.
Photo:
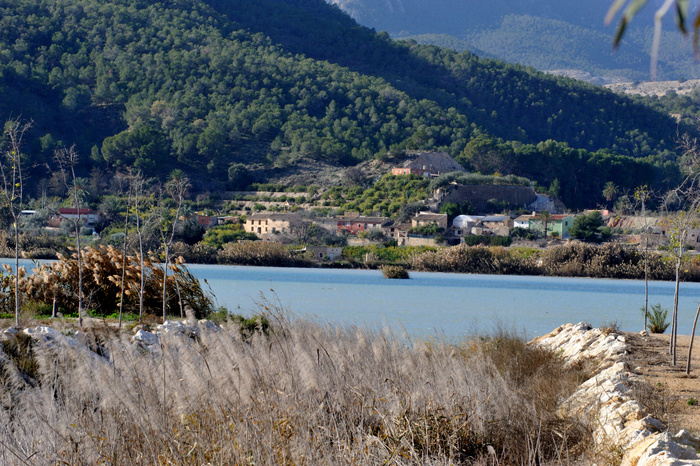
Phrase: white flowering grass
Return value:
(308, 393)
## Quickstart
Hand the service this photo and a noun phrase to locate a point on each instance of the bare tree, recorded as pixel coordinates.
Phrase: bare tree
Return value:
(177, 188)
(12, 186)
(67, 160)
(137, 187)
(680, 224)
(642, 195)
(301, 229)
(122, 181)
(692, 339)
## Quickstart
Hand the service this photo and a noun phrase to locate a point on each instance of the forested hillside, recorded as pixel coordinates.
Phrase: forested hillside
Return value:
(200, 85)
(545, 34)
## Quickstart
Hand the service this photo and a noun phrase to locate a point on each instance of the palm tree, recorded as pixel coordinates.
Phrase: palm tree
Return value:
(610, 191)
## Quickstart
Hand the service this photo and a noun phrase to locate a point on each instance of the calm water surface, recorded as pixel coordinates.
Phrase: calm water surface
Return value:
(446, 304)
(452, 305)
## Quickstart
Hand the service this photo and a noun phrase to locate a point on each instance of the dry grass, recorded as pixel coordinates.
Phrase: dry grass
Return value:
(102, 272)
(306, 393)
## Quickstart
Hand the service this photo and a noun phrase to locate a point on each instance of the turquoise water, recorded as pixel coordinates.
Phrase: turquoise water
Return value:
(446, 304)
(451, 305)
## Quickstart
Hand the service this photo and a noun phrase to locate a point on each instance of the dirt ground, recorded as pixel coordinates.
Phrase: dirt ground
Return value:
(649, 358)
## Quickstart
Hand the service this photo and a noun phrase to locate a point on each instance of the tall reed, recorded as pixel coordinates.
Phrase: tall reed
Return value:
(304, 393)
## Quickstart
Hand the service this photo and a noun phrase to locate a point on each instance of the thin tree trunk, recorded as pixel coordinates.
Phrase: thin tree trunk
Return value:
(692, 337)
(674, 320)
(16, 272)
(141, 291)
(180, 192)
(165, 282)
(179, 296)
(121, 291)
(646, 281)
(80, 272)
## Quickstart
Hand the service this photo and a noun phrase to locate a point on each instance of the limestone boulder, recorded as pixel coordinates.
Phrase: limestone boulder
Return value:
(665, 450)
(145, 338)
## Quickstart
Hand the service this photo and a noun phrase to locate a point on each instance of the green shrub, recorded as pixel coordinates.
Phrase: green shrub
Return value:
(430, 229)
(657, 319)
(394, 271)
(219, 235)
(250, 326)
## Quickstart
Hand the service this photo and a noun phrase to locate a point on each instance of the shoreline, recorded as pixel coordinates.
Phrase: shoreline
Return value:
(576, 260)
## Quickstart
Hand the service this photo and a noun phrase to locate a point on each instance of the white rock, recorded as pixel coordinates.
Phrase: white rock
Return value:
(42, 332)
(209, 325)
(685, 438)
(605, 401)
(146, 338)
(171, 326)
(10, 331)
(666, 451)
(638, 431)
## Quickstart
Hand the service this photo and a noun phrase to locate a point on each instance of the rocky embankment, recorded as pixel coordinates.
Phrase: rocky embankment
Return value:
(607, 401)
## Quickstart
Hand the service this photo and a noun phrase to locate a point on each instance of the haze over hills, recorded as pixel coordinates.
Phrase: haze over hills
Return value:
(201, 85)
(545, 34)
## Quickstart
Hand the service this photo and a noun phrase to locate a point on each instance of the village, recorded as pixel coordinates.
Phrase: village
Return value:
(455, 208)
(526, 217)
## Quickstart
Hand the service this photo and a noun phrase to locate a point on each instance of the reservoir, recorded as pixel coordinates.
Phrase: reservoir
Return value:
(440, 304)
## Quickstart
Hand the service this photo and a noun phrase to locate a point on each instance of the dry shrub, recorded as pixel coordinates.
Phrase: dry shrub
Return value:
(610, 260)
(609, 327)
(195, 254)
(306, 393)
(657, 401)
(394, 271)
(478, 259)
(262, 253)
(102, 272)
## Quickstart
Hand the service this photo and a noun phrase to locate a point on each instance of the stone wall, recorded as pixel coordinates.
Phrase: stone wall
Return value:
(606, 401)
(478, 195)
